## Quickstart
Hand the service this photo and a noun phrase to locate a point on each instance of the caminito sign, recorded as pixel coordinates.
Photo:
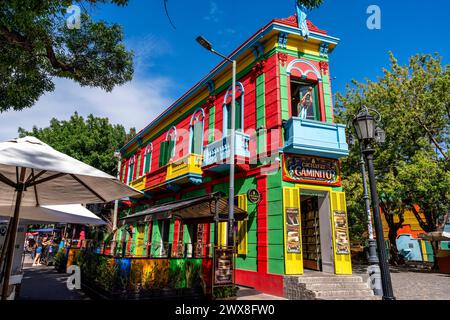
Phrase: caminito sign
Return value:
(305, 169)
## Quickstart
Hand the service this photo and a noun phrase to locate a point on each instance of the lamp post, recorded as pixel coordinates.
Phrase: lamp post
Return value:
(367, 132)
(208, 46)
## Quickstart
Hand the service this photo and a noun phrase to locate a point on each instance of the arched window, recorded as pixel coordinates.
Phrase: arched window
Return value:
(196, 132)
(148, 158)
(131, 169)
(304, 88)
(167, 149)
(239, 105)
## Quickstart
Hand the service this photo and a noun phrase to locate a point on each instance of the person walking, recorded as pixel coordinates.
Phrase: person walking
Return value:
(37, 258)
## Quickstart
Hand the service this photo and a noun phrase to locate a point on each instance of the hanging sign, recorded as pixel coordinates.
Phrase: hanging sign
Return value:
(340, 231)
(292, 230)
(223, 266)
(253, 196)
(305, 169)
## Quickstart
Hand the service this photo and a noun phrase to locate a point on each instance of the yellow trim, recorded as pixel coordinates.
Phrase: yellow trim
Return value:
(242, 232)
(222, 234)
(138, 183)
(293, 262)
(342, 262)
(424, 250)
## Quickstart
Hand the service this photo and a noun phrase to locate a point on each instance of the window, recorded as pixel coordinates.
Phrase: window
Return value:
(130, 170)
(138, 166)
(196, 131)
(147, 158)
(304, 100)
(167, 148)
(239, 112)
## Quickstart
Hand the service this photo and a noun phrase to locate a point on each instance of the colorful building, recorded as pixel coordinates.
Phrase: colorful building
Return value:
(287, 162)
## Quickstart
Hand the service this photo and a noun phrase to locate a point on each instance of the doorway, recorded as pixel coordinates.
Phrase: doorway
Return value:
(317, 245)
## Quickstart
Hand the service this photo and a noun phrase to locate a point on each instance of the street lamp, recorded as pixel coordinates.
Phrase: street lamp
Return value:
(208, 46)
(367, 131)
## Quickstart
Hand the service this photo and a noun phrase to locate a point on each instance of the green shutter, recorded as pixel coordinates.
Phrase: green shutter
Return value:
(198, 133)
(148, 159)
(170, 149)
(212, 118)
(162, 154)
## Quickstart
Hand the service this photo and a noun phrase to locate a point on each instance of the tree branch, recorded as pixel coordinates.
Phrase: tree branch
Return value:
(55, 62)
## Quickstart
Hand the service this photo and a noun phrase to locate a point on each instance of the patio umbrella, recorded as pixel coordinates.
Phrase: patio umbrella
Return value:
(32, 173)
(69, 213)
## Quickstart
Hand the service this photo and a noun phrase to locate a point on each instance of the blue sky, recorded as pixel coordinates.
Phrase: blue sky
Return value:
(168, 61)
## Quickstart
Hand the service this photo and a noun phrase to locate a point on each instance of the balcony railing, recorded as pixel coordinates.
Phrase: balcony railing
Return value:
(138, 183)
(315, 138)
(219, 151)
(191, 164)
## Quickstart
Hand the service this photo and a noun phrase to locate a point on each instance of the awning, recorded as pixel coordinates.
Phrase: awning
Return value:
(193, 210)
(435, 236)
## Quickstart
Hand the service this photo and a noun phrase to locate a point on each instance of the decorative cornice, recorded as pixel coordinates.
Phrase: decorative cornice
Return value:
(282, 39)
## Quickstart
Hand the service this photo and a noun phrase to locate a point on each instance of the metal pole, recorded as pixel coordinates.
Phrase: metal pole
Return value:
(232, 152)
(388, 293)
(373, 259)
(12, 239)
(116, 209)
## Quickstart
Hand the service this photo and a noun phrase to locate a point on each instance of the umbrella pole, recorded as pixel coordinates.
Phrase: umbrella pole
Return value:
(3, 254)
(12, 240)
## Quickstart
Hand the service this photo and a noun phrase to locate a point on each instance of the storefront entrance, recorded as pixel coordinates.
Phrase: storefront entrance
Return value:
(317, 245)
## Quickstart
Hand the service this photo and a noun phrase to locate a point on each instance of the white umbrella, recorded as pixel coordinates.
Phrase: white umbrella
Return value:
(69, 213)
(35, 174)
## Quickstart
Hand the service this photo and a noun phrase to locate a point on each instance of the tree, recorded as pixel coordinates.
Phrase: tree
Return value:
(310, 4)
(412, 167)
(92, 141)
(37, 45)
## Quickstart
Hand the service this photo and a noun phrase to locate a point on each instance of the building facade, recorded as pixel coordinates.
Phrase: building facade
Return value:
(287, 161)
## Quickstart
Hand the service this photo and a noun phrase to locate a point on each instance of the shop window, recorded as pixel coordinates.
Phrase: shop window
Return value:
(196, 132)
(147, 158)
(304, 100)
(164, 228)
(239, 113)
(178, 243)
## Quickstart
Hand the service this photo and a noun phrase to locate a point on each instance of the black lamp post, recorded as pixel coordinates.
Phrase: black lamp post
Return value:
(367, 131)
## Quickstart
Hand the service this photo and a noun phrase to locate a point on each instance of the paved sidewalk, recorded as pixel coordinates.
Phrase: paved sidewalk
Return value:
(252, 294)
(409, 284)
(45, 283)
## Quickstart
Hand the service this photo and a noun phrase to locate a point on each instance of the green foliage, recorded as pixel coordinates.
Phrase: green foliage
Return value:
(225, 291)
(60, 260)
(36, 46)
(92, 141)
(310, 4)
(412, 167)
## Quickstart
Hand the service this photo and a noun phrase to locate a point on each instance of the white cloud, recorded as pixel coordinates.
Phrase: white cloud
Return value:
(213, 13)
(134, 104)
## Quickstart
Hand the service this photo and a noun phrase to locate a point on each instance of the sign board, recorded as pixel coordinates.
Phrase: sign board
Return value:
(253, 196)
(223, 266)
(306, 169)
(340, 231)
(293, 230)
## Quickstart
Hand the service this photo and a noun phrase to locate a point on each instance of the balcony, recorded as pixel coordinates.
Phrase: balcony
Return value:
(218, 152)
(315, 138)
(138, 183)
(187, 169)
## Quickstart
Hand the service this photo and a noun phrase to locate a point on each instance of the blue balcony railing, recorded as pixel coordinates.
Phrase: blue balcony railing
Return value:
(219, 151)
(315, 138)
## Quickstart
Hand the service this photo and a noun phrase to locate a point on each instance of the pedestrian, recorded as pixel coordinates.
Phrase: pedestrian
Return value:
(37, 258)
(32, 245)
